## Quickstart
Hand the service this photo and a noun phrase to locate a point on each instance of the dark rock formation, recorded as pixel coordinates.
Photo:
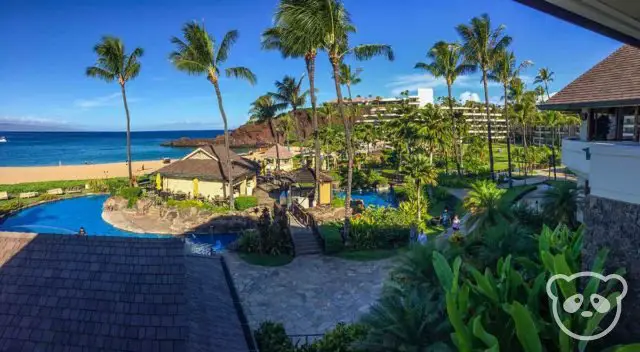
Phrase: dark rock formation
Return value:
(258, 134)
(616, 225)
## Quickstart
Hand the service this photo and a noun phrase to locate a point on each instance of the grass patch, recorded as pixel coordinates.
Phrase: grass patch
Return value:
(558, 183)
(266, 260)
(454, 204)
(40, 187)
(516, 193)
(332, 239)
(370, 255)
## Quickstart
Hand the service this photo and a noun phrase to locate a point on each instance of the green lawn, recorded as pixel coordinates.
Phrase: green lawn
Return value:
(40, 186)
(266, 260)
(556, 183)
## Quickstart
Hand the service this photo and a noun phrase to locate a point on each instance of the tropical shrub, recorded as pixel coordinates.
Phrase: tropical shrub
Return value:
(272, 337)
(484, 204)
(379, 227)
(509, 310)
(11, 205)
(272, 237)
(48, 197)
(342, 338)
(363, 179)
(410, 319)
(245, 202)
(196, 203)
(337, 202)
(98, 186)
(249, 241)
(131, 194)
(115, 184)
(330, 232)
(560, 204)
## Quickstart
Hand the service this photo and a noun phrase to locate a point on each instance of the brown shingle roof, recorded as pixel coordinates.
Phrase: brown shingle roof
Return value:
(614, 81)
(307, 175)
(60, 292)
(284, 153)
(210, 169)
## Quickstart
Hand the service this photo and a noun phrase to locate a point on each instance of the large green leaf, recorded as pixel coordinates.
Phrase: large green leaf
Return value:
(635, 347)
(525, 328)
(461, 336)
(443, 271)
(560, 265)
(484, 285)
(594, 322)
(488, 339)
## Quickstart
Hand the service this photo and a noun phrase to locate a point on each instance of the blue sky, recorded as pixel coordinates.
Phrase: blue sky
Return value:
(48, 44)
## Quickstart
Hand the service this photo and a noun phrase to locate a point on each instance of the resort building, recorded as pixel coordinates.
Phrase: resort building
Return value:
(543, 135)
(203, 173)
(269, 160)
(302, 187)
(476, 118)
(606, 156)
(380, 109)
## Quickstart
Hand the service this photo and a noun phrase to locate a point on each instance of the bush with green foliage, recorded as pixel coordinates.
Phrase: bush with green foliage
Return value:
(11, 205)
(337, 202)
(197, 203)
(363, 179)
(245, 202)
(131, 194)
(272, 337)
(40, 187)
(49, 197)
(330, 232)
(379, 227)
(272, 236)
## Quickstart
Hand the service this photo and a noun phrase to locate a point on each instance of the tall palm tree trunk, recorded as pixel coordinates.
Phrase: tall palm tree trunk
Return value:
(310, 60)
(506, 119)
(347, 133)
(546, 88)
(486, 102)
(126, 109)
(419, 204)
(457, 155)
(276, 138)
(226, 145)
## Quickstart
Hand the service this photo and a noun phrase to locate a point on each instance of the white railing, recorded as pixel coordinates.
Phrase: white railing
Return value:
(612, 168)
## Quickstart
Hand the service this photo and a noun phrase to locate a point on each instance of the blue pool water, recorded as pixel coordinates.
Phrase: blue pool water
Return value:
(65, 217)
(378, 199)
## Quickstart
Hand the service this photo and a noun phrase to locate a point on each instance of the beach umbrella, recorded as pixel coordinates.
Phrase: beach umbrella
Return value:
(195, 187)
(158, 182)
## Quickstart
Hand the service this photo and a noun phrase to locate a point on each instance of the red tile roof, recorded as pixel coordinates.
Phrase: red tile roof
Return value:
(284, 153)
(614, 81)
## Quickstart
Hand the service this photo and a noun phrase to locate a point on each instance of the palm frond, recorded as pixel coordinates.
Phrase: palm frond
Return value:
(99, 72)
(241, 73)
(368, 51)
(227, 42)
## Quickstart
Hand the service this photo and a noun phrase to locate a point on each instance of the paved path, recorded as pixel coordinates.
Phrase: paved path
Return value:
(531, 180)
(309, 295)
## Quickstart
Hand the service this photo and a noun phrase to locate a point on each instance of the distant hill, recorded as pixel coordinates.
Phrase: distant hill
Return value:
(27, 127)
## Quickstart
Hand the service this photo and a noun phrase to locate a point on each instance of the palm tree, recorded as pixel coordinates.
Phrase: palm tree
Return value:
(504, 71)
(545, 76)
(349, 77)
(446, 62)
(289, 92)
(480, 46)
(417, 167)
(561, 204)
(330, 21)
(295, 40)
(483, 203)
(115, 64)
(197, 55)
(264, 109)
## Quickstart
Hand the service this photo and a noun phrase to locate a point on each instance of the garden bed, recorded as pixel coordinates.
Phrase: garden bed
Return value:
(266, 260)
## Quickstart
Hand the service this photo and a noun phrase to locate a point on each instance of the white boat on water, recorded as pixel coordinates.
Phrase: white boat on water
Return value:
(3, 140)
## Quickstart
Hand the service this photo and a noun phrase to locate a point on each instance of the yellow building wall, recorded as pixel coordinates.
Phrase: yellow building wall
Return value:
(325, 193)
(207, 189)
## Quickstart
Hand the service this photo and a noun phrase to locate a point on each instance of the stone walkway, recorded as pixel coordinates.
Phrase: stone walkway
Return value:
(309, 295)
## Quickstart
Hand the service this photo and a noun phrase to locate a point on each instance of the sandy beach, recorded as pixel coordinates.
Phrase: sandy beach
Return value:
(12, 175)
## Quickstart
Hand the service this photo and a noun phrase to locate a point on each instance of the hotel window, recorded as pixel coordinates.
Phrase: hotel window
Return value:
(629, 123)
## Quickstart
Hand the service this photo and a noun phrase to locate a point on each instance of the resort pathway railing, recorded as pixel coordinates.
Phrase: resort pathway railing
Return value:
(307, 220)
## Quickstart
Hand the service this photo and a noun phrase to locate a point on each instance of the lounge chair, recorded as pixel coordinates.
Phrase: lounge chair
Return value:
(4, 196)
(76, 189)
(56, 191)
(28, 195)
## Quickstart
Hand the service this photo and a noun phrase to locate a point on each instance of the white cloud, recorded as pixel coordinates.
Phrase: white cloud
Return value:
(469, 96)
(106, 100)
(414, 81)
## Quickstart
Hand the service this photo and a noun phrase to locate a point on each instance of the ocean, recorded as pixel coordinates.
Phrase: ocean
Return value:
(74, 148)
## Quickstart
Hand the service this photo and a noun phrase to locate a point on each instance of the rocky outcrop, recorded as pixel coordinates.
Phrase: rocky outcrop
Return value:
(146, 217)
(616, 225)
(258, 134)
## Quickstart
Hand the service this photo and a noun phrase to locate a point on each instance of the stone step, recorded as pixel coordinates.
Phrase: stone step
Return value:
(307, 251)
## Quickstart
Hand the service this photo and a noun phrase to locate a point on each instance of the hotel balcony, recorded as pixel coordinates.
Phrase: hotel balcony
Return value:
(611, 168)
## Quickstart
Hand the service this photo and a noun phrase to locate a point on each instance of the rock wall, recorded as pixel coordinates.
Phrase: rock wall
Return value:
(616, 225)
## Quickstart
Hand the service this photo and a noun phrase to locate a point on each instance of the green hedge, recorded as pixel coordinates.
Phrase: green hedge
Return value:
(245, 202)
(40, 187)
(332, 239)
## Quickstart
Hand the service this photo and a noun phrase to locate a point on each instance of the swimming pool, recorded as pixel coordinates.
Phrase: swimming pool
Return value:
(65, 217)
(378, 199)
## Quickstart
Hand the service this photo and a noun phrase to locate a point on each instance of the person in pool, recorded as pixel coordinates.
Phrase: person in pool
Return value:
(82, 232)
